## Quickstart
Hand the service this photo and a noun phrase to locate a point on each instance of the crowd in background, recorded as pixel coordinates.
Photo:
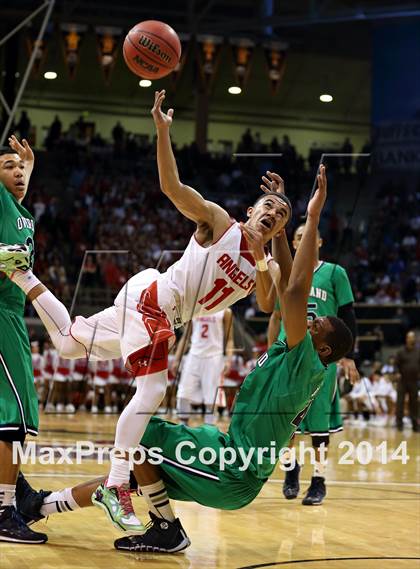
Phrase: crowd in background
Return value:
(376, 399)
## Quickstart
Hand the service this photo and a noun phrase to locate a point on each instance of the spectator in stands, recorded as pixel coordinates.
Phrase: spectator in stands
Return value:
(24, 125)
(360, 401)
(407, 362)
(347, 161)
(118, 135)
(54, 133)
(91, 277)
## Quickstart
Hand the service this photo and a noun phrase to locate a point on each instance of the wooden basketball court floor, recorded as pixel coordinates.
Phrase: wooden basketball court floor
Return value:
(370, 518)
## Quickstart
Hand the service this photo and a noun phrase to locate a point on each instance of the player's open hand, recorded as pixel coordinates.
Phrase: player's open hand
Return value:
(318, 199)
(22, 149)
(350, 370)
(162, 120)
(272, 183)
(255, 241)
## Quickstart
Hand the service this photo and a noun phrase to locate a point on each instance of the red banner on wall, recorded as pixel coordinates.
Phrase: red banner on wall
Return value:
(208, 56)
(41, 47)
(72, 38)
(275, 54)
(242, 50)
(108, 39)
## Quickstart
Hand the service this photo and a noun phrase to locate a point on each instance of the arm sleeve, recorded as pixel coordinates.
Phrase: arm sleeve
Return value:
(347, 314)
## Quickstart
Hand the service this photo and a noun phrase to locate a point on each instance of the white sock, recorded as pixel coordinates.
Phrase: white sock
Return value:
(209, 416)
(183, 407)
(320, 468)
(59, 502)
(158, 501)
(7, 495)
(25, 281)
(120, 472)
(57, 321)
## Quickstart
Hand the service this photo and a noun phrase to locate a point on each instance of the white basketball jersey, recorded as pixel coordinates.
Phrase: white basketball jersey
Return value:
(102, 368)
(37, 364)
(207, 338)
(50, 360)
(207, 280)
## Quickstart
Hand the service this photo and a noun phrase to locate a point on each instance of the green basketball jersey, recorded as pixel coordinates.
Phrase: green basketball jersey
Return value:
(330, 289)
(16, 226)
(273, 400)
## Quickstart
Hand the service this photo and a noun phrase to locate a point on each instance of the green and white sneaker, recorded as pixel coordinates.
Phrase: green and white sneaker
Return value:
(14, 257)
(115, 501)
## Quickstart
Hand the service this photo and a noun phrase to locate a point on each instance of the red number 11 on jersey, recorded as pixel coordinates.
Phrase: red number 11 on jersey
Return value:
(219, 286)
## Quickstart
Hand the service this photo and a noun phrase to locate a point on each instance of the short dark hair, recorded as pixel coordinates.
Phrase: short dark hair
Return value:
(6, 150)
(303, 225)
(340, 340)
(279, 195)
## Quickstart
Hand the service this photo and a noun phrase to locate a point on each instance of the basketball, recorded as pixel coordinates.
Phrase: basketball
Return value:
(152, 49)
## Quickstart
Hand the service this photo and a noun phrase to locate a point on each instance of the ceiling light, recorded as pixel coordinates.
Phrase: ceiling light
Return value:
(145, 83)
(235, 90)
(325, 98)
(50, 75)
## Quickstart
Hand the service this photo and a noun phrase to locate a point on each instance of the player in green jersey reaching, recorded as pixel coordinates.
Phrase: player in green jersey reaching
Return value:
(271, 403)
(330, 295)
(18, 399)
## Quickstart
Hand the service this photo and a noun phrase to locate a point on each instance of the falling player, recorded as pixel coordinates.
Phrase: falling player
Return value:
(330, 295)
(271, 403)
(205, 363)
(223, 262)
(18, 398)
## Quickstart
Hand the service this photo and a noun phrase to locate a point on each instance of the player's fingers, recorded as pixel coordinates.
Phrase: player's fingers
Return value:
(264, 188)
(170, 113)
(267, 181)
(275, 177)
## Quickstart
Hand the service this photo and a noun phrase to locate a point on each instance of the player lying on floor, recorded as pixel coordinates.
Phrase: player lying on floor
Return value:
(271, 403)
(219, 267)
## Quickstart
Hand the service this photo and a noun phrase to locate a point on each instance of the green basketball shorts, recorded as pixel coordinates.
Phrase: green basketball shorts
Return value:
(225, 488)
(18, 399)
(324, 416)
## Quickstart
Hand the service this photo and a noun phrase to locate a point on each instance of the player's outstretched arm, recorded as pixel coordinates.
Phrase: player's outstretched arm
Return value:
(273, 327)
(294, 299)
(272, 182)
(187, 200)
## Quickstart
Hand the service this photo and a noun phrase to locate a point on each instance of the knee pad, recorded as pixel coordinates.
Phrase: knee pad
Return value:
(149, 360)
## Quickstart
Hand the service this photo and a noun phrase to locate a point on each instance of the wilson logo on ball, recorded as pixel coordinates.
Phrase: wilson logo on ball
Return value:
(154, 48)
(145, 64)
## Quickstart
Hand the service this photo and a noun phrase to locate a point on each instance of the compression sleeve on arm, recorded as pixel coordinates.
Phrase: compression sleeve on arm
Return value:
(347, 314)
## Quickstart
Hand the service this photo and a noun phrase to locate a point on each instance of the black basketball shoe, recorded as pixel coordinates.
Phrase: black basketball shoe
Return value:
(13, 529)
(29, 501)
(316, 492)
(291, 483)
(161, 536)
